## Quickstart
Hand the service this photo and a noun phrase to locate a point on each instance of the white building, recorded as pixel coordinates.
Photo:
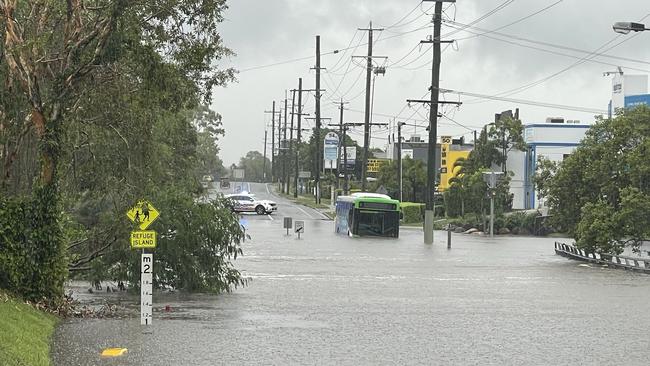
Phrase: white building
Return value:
(554, 140)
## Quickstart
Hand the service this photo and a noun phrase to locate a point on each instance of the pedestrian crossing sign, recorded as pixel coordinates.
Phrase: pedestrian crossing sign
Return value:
(143, 214)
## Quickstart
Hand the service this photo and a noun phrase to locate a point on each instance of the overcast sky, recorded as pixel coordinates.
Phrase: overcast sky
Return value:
(264, 32)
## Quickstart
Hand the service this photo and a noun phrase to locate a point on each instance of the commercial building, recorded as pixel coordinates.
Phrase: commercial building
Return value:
(449, 151)
(628, 91)
(554, 140)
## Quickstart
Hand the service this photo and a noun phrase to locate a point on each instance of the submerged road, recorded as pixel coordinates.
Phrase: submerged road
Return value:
(334, 300)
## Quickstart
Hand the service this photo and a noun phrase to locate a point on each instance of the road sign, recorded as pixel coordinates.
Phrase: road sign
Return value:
(143, 239)
(446, 139)
(238, 173)
(146, 289)
(300, 228)
(143, 214)
(288, 223)
(330, 149)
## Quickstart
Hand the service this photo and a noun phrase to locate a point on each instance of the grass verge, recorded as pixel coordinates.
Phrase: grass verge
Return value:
(305, 201)
(25, 333)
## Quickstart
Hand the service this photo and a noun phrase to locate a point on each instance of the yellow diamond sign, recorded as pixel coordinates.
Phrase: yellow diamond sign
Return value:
(143, 214)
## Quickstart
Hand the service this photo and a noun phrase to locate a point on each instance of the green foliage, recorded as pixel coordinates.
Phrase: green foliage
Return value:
(606, 229)
(256, 167)
(546, 170)
(599, 192)
(32, 253)
(412, 212)
(468, 192)
(121, 105)
(413, 179)
(26, 333)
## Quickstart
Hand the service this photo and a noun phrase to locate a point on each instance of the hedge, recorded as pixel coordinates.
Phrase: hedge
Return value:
(412, 212)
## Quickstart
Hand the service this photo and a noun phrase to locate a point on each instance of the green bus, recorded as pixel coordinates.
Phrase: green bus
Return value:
(367, 214)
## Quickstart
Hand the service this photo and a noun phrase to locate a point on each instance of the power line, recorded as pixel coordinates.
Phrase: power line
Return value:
(542, 43)
(516, 21)
(560, 53)
(482, 18)
(527, 102)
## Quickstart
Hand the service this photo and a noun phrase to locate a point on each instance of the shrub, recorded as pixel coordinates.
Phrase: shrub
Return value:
(32, 255)
(412, 212)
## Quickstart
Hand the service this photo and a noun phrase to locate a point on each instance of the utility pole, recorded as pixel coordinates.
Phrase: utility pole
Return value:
(366, 131)
(278, 174)
(299, 130)
(399, 157)
(272, 141)
(285, 188)
(264, 161)
(432, 174)
(346, 126)
(293, 106)
(295, 181)
(318, 159)
(342, 138)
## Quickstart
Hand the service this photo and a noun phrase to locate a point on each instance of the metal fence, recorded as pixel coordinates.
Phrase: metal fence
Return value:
(639, 264)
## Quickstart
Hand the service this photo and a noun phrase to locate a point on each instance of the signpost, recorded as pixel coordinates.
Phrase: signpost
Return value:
(146, 289)
(288, 223)
(300, 228)
(144, 214)
(492, 179)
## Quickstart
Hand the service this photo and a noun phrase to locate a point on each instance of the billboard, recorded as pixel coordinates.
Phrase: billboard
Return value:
(330, 150)
(351, 157)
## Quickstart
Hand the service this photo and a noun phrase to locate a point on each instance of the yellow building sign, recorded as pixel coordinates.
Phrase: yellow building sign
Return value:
(448, 159)
(143, 239)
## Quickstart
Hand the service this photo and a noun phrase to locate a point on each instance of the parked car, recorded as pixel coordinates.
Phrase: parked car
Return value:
(242, 202)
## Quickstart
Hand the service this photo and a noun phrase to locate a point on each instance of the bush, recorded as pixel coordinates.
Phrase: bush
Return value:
(32, 255)
(412, 212)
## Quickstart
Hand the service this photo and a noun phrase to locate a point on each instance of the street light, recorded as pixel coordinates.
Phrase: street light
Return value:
(627, 27)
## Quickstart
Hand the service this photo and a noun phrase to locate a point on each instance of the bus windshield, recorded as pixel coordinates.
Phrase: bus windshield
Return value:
(377, 223)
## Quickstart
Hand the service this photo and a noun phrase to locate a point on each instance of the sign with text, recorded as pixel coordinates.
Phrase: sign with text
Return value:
(300, 227)
(143, 239)
(374, 165)
(407, 153)
(330, 150)
(146, 289)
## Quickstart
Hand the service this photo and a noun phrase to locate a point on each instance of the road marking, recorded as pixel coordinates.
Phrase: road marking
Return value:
(269, 216)
(114, 352)
(305, 212)
(267, 188)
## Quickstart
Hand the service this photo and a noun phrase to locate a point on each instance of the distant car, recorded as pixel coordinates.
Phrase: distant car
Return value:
(244, 202)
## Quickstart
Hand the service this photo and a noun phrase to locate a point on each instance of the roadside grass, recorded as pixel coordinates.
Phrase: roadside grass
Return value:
(25, 333)
(305, 201)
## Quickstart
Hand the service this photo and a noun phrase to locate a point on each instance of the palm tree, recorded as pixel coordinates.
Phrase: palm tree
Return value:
(460, 179)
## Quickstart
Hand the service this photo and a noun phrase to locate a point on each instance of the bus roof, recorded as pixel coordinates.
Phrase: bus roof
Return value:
(370, 195)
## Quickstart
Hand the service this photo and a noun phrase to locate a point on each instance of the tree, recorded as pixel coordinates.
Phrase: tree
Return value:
(254, 165)
(546, 170)
(600, 192)
(94, 116)
(507, 134)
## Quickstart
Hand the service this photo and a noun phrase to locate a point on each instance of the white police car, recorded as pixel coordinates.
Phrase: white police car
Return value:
(246, 202)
